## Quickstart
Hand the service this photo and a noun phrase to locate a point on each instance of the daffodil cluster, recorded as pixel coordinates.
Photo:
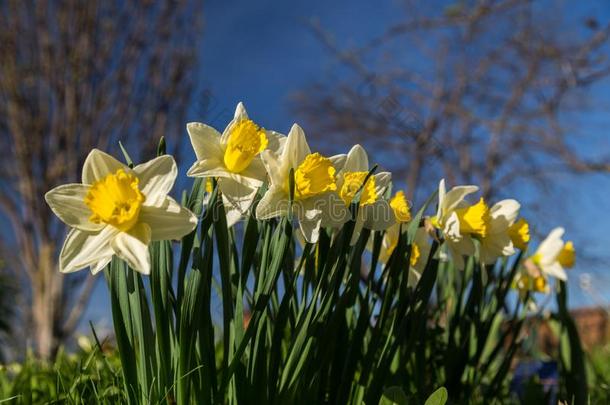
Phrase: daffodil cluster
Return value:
(118, 210)
(245, 157)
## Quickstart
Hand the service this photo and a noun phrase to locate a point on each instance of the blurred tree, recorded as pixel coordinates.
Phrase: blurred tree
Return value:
(73, 76)
(489, 92)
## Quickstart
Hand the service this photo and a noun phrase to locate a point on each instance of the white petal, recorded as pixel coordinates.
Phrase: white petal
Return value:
(205, 141)
(338, 161)
(273, 167)
(382, 181)
(465, 246)
(157, 178)
(458, 249)
(99, 266)
(308, 208)
(255, 174)
(422, 240)
(273, 204)
(357, 160)
(442, 191)
(333, 210)
(310, 227)
(68, 203)
(378, 216)
(168, 221)
(240, 112)
(455, 196)
(550, 248)
(295, 149)
(212, 167)
(233, 215)
(555, 270)
(452, 227)
(390, 239)
(505, 212)
(236, 194)
(496, 245)
(132, 247)
(276, 141)
(100, 164)
(83, 249)
(224, 138)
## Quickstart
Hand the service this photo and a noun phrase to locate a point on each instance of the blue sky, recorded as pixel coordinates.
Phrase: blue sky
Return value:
(262, 52)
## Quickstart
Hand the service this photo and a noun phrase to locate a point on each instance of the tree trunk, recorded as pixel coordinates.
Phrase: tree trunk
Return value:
(47, 303)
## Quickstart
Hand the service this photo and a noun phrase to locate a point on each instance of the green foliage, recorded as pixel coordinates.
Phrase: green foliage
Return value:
(572, 357)
(438, 397)
(258, 318)
(89, 376)
(393, 396)
(318, 332)
(599, 374)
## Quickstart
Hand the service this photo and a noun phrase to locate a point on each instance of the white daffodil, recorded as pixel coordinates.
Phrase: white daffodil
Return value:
(554, 255)
(374, 211)
(233, 157)
(459, 222)
(233, 215)
(315, 198)
(118, 211)
(497, 241)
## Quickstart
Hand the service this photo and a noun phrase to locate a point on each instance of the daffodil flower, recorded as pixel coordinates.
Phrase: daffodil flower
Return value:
(233, 157)
(527, 282)
(374, 211)
(420, 250)
(315, 186)
(554, 255)
(401, 207)
(402, 214)
(118, 211)
(519, 233)
(497, 241)
(459, 222)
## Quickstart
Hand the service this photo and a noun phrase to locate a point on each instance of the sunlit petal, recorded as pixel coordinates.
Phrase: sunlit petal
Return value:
(132, 247)
(68, 203)
(82, 249)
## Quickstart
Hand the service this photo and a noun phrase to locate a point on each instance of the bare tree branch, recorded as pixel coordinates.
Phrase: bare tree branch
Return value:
(74, 76)
(470, 91)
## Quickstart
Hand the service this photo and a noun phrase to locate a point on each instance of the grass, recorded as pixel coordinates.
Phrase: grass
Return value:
(89, 375)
